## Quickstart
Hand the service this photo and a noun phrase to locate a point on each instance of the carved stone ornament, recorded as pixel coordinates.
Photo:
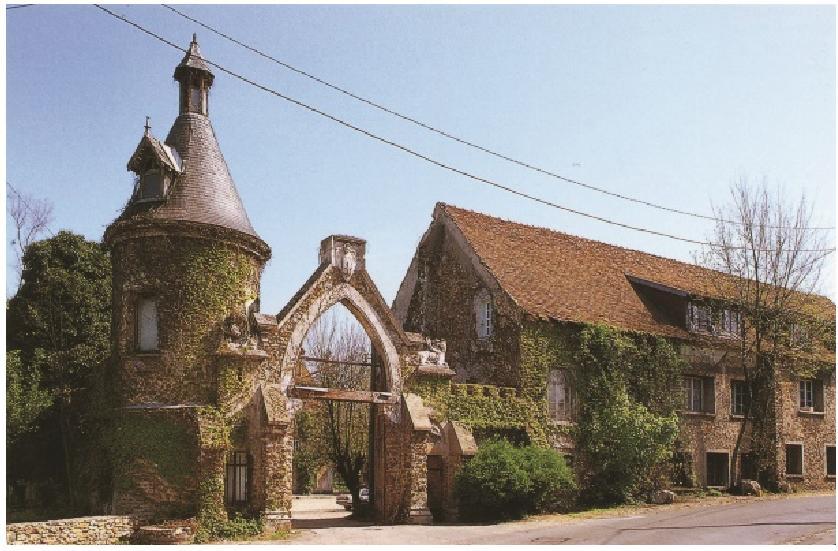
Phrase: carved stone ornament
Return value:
(435, 355)
(349, 261)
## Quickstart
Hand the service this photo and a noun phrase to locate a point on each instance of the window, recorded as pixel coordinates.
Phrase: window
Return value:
(147, 325)
(699, 394)
(738, 397)
(484, 313)
(730, 322)
(811, 395)
(794, 459)
(700, 317)
(151, 185)
(197, 100)
(559, 399)
(235, 481)
(748, 466)
(830, 461)
(717, 320)
(718, 465)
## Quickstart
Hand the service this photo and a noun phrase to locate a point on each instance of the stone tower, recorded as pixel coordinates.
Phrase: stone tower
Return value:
(186, 271)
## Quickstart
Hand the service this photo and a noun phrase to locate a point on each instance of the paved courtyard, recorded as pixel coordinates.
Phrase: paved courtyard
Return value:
(802, 520)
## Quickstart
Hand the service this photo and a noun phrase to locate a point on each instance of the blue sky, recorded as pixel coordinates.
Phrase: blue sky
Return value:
(671, 104)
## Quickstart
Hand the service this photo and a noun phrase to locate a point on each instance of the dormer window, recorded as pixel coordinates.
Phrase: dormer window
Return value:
(718, 320)
(152, 185)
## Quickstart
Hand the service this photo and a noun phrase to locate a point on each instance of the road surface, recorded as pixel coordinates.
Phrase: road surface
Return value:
(801, 520)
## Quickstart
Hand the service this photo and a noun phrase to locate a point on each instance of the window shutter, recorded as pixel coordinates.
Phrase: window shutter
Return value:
(709, 395)
(817, 390)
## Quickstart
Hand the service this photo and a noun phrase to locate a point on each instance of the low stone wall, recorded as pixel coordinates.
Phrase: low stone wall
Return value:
(85, 530)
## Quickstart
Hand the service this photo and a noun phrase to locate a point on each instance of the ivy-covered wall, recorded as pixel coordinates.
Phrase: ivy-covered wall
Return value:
(154, 457)
(169, 447)
(543, 347)
(198, 284)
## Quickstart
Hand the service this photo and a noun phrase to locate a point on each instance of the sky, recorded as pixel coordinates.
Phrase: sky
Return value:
(669, 104)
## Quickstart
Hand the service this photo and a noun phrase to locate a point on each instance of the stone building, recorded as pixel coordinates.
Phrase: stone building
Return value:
(507, 297)
(206, 385)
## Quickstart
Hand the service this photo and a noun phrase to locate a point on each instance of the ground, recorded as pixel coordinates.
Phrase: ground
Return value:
(806, 519)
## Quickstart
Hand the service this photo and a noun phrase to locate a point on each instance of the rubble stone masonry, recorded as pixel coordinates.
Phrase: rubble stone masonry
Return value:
(101, 530)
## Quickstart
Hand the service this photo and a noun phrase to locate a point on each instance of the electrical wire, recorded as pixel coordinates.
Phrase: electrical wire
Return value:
(425, 157)
(450, 136)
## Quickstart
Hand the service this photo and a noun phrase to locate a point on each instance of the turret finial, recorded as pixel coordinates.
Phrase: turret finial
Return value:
(147, 125)
(194, 38)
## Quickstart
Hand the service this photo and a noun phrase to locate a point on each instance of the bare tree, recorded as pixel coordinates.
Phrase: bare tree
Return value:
(768, 261)
(342, 343)
(31, 218)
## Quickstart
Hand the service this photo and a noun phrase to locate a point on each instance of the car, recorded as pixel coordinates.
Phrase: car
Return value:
(344, 500)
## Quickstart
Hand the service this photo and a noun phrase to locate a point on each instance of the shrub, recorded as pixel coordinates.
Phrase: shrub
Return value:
(553, 483)
(504, 482)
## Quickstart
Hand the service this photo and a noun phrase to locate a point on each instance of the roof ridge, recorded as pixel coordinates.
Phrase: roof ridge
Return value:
(448, 208)
(574, 236)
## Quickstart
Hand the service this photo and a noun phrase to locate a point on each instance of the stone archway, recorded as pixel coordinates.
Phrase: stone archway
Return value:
(401, 429)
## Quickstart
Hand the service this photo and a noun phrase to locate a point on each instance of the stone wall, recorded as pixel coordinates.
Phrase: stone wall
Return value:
(442, 307)
(815, 430)
(716, 431)
(101, 530)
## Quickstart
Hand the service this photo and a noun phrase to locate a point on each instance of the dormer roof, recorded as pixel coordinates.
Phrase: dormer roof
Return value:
(150, 146)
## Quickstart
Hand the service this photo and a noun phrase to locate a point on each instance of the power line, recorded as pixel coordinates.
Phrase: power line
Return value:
(450, 136)
(422, 156)
(17, 6)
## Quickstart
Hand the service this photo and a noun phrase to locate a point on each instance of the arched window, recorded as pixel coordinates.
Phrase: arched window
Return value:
(147, 340)
(484, 314)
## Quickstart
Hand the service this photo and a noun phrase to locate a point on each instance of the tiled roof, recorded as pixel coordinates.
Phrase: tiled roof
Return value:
(558, 276)
(205, 191)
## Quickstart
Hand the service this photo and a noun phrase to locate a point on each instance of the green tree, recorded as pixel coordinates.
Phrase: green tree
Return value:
(627, 422)
(26, 400)
(59, 321)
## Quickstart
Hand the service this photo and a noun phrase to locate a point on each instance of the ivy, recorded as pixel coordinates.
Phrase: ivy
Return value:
(167, 444)
(627, 422)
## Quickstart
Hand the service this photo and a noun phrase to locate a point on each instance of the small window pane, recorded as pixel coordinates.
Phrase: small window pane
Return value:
(830, 460)
(806, 395)
(147, 325)
(738, 397)
(693, 393)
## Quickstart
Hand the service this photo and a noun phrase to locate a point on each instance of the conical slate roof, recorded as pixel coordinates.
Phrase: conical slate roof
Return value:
(204, 191)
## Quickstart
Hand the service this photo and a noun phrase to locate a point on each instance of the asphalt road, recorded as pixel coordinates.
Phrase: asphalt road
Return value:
(803, 520)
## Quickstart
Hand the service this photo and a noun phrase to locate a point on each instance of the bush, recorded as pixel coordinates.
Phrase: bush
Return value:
(553, 483)
(504, 482)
